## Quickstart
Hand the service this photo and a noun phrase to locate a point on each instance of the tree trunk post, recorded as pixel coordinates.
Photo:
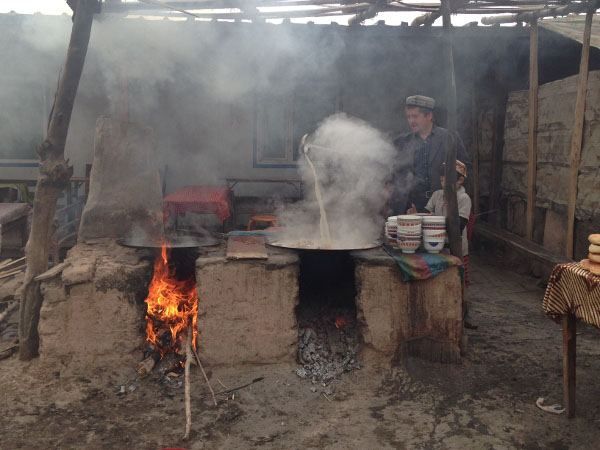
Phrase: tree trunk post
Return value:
(577, 137)
(54, 176)
(533, 122)
(454, 237)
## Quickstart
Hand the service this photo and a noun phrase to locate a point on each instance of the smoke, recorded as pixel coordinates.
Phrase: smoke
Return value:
(196, 84)
(353, 162)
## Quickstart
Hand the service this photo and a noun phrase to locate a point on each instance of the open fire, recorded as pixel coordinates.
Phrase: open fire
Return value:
(172, 306)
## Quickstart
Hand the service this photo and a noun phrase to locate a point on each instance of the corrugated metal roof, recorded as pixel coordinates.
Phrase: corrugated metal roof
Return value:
(572, 27)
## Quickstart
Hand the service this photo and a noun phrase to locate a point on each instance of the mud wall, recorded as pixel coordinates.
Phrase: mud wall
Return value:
(92, 316)
(398, 318)
(247, 309)
(555, 126)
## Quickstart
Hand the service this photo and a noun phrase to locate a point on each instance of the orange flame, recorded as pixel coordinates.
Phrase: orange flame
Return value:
(171, 303)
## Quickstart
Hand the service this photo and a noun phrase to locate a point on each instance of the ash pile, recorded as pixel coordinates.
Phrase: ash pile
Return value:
(327, 344)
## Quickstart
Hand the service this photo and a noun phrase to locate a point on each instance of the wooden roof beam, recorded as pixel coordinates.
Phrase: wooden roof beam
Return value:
(571, 8)
(428, 19)
(368, 13)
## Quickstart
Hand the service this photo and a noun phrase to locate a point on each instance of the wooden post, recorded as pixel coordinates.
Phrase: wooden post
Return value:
(533, 109)
(578, 132)
(449, 65)
(454, 237)
(493, 169)
(475, 148)
(54, 176)
(569, 332)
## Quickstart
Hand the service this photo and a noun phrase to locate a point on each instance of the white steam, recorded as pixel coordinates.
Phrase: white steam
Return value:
(352, 161)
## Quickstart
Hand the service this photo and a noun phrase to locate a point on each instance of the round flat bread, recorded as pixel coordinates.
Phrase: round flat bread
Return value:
(594, 239)
(585, 263)
(594, 268)
(594, 257)
(594, 248)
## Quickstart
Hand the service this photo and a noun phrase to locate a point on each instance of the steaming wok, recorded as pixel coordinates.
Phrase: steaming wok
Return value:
(174, 241)
(307, 244)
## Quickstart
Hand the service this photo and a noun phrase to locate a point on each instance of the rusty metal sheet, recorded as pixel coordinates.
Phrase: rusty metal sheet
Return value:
(246, 247)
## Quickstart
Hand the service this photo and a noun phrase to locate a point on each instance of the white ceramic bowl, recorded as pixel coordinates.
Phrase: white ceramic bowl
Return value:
(434, 239)
(433, 247)
(412, 217)
(434, 219)
(434, 233)
(430, 226)
(409, 220)
(408, 246)
(409, 231)
(408, 237)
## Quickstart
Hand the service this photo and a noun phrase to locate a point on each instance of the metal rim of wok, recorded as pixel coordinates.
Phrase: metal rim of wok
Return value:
(290, 244)
(174, 242)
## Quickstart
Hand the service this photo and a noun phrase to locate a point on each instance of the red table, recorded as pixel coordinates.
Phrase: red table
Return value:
(199, 199)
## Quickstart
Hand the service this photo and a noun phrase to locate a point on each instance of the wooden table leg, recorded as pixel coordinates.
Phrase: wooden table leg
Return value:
(569, 328)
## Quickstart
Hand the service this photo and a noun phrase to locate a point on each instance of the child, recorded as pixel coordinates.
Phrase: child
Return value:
(437, 206)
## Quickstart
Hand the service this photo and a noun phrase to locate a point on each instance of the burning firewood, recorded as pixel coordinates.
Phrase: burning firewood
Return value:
(145, 366)
(172, 304)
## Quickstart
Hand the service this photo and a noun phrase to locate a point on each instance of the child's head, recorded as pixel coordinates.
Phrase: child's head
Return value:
(461, 173)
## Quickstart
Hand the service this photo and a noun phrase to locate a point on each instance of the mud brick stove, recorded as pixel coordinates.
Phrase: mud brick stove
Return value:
(93, 311)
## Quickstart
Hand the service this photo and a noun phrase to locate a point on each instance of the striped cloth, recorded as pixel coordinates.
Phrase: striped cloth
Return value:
(200, 199)
(420, 266)
(466, 266)
(573, 290)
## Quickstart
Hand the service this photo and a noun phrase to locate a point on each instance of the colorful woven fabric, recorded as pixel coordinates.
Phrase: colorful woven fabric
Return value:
(573, 290)
(420, 266)
(200, 199)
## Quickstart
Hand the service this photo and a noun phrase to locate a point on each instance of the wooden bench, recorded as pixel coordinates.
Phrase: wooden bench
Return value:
(535, 255)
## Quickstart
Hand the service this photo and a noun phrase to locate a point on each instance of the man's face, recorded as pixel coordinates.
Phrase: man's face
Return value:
(417, 120)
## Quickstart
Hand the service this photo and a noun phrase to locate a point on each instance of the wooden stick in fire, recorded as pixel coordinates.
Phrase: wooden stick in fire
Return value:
(205, 377)
(188, 363)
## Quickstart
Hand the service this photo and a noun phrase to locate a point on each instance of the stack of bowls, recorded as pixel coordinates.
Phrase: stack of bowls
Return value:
(409, 233)
(434, 233)
(391, 230)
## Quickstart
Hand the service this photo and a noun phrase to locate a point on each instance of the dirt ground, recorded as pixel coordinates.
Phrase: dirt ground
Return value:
(487, 402)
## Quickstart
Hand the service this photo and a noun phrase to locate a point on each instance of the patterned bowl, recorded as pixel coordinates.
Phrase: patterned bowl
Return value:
(408, 246)
(409, 220)
(408, 237)
(434, 220)
(429, 233)
(433, 247)
(410, 231)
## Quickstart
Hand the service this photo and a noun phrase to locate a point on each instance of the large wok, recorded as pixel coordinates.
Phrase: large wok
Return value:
(306, 244)
(176, 241)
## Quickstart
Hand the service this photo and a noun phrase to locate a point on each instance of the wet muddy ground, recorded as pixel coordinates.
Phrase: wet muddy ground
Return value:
(487, 402)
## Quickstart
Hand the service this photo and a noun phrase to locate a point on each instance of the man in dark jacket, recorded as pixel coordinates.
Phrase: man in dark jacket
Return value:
(421, 154)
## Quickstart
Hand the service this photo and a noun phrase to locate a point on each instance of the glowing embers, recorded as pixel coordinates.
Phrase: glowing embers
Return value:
(172, 306)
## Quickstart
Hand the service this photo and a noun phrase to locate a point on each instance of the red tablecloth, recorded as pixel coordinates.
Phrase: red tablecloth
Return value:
(200, 199)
